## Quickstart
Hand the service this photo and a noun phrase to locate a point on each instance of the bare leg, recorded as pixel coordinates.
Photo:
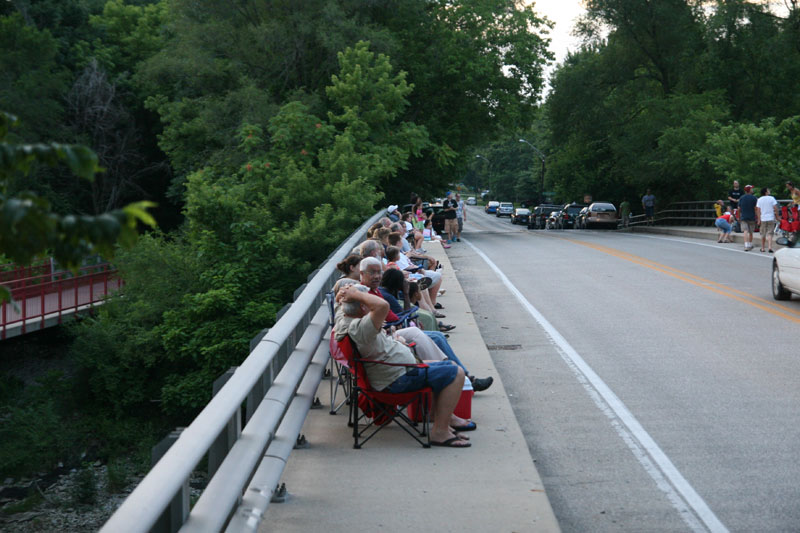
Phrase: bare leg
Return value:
(425, 302)
(443, 405)
(433, 292)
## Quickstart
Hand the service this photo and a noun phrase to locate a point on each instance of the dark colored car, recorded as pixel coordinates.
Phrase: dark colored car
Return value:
(567, 215)
(491, 207)
(520, 215)
(538, 218)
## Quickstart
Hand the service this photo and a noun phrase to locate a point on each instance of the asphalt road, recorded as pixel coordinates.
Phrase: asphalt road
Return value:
(654, 377)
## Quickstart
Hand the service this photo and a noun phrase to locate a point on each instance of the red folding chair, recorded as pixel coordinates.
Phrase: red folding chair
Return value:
(339, 370)
(378, 409)
(790, 222)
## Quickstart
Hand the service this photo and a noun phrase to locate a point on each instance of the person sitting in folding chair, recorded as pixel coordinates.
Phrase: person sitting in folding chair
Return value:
(364, 314)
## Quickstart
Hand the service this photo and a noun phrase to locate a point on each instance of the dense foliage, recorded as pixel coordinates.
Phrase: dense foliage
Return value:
(679, 96)
(265, 131)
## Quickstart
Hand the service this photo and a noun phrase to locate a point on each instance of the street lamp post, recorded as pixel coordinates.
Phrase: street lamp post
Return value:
(541, 176)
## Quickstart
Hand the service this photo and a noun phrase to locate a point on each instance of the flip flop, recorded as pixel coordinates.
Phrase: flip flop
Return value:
(471, 426)
(451, 443)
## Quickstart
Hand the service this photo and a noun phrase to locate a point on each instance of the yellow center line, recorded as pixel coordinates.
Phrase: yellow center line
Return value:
(698, 281)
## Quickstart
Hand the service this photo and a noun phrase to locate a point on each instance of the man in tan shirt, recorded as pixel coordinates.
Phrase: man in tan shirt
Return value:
(364, 315)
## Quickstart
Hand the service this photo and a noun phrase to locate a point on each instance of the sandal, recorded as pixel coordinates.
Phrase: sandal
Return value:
(445, 327)
(439, 315)
(452, 442)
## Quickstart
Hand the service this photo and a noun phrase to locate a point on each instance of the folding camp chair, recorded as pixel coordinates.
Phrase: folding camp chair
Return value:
(378, 409)
(790, 221)
(404, 319)
(339, 371)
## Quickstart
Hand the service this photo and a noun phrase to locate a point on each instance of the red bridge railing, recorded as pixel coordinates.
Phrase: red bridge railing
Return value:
(49, 296)
(13, 271)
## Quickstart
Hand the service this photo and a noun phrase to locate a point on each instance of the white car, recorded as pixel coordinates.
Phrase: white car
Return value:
(472, 201)
(786, 270)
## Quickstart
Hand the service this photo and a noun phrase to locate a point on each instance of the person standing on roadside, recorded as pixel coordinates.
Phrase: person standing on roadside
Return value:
(461, 216)
(649, 205)
(450, 222)
(625, 212)
(747, 216)
(766, 214)
(734, 195)
(794, 191)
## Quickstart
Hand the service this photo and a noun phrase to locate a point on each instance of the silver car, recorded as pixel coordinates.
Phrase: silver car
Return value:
(505, 209)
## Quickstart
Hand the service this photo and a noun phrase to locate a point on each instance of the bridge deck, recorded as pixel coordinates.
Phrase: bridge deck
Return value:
(492, 486)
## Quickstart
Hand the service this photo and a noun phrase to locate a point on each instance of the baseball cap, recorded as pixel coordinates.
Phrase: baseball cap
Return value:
(748, 188)
(391, 209)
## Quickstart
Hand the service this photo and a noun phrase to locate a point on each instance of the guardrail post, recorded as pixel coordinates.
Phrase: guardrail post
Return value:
(228, 437)
(177, 512)
(254, 398)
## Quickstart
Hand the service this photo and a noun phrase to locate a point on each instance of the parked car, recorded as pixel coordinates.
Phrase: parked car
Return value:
(566, 217)
(601, 214)
(505, 209)
(539, 215)
(521, 215)
(552, 219)
(580, 219)
(491, 207)
(472, 201)
(786, 270)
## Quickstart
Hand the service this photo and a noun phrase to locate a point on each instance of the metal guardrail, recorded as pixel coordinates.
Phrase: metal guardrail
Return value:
(699, 213)
(271, 392)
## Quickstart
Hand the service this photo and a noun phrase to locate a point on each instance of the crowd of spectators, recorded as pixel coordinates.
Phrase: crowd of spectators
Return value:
(387, 301)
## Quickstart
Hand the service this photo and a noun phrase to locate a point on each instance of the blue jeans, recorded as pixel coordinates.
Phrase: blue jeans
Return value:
(441, 341)
(437, 376)
(722, 224)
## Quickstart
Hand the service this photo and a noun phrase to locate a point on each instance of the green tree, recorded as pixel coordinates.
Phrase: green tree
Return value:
(32, 82)
(252, 236)
(28, 226)
(765, 154)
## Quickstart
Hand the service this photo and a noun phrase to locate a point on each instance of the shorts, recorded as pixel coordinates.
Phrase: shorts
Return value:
(460, 224)
(437, 376)
(450, 225)
(767, 227)
(748, 226)
(435, 276)
(722, 224)
(649, 211)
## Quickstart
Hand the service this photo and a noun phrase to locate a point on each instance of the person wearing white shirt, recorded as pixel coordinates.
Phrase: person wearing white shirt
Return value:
(766, 215)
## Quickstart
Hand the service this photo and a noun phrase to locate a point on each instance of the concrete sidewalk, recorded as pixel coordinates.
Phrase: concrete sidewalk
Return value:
(393, 484)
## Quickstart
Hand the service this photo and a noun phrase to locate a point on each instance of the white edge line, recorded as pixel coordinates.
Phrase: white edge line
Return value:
(636, 437)
(726, 249)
